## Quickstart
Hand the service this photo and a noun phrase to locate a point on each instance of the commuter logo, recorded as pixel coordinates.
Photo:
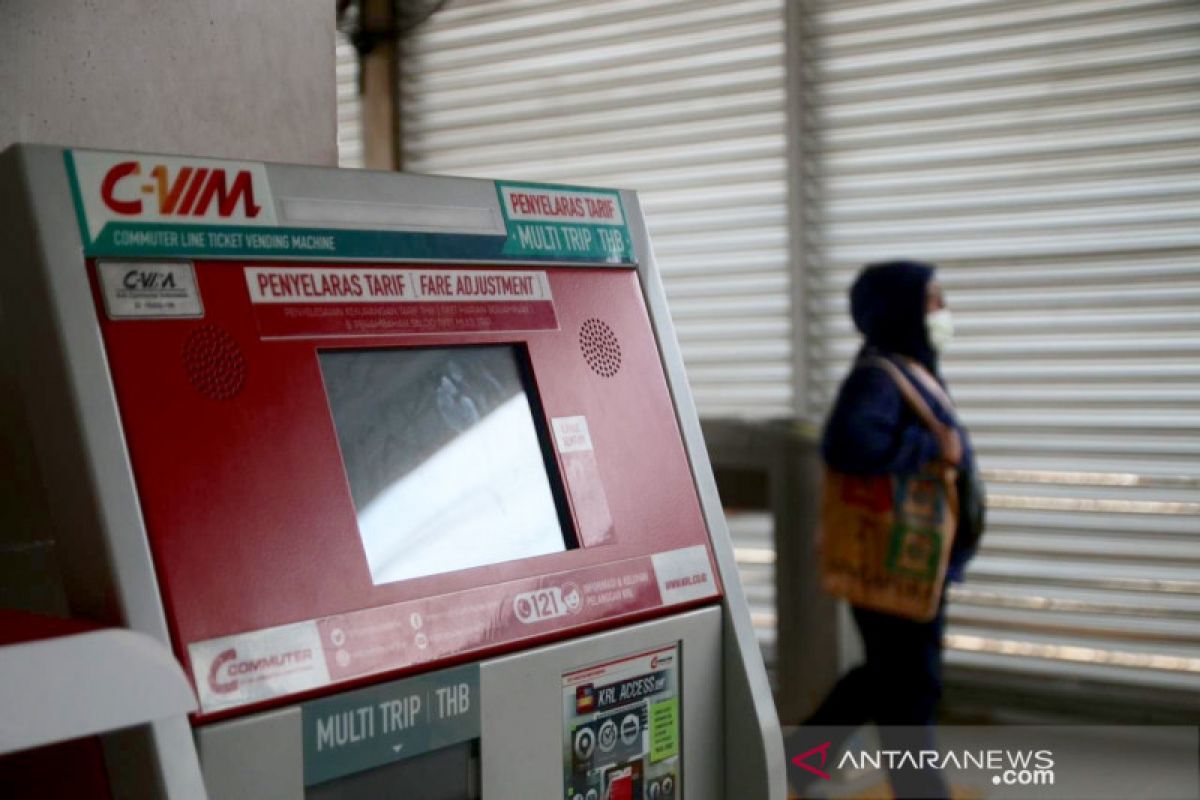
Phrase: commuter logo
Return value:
(135, 196)
(181, 192)
(146, 280)
(228, 672)
(260, 665)
(214, 673)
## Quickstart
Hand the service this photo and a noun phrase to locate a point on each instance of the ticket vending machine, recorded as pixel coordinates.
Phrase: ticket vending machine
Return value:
(404, 469)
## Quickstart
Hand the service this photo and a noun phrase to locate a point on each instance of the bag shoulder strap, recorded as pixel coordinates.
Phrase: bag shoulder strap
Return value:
(930, 383)
(910, 394)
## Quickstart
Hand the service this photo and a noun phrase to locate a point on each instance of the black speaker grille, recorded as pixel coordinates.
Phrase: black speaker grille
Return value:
(214, 363)
(601, 348)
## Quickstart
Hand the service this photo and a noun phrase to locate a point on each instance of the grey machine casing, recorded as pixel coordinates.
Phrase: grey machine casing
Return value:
(75, 542)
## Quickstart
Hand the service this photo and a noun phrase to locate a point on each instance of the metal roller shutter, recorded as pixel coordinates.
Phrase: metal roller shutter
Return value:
(1047, 156)
(349, 98)
(682, 100)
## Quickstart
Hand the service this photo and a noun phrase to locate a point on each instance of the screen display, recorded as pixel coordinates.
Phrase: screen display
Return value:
(447, 457)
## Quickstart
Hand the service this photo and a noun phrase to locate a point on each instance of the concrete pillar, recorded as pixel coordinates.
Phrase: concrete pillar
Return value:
(250, 79)
(247, 79)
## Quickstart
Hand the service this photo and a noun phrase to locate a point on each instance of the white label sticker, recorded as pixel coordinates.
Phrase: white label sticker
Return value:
(294, 285)
(684, 575)
(571, 434)
(236, 670)
(137, 289)
(127, 187)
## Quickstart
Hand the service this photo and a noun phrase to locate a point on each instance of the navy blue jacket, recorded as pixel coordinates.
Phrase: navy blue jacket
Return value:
(871, 430)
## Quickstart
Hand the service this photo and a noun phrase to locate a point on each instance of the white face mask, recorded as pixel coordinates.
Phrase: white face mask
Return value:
(940, 327)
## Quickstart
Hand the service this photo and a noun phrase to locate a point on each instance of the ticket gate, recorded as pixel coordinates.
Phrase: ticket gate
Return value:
(404, 469)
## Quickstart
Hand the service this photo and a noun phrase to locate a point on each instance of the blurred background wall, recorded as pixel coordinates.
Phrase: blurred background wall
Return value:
(1045, 155)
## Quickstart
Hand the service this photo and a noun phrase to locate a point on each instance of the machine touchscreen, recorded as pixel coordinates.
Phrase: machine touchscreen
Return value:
(447, 458)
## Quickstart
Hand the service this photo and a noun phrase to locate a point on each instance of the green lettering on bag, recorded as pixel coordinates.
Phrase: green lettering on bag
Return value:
(912, 550)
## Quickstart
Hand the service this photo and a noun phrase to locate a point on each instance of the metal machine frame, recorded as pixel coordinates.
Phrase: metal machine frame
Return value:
(73, 484)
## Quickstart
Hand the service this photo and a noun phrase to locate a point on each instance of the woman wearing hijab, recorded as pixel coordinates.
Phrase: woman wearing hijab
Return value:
(901, 312)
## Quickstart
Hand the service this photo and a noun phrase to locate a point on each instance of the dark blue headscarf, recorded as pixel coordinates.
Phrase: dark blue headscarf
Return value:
(887, 302)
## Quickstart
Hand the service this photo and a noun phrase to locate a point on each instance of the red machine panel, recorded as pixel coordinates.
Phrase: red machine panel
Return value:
(249, 508)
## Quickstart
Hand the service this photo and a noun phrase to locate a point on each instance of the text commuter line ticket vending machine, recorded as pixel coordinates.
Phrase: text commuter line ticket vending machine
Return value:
(404, 469)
